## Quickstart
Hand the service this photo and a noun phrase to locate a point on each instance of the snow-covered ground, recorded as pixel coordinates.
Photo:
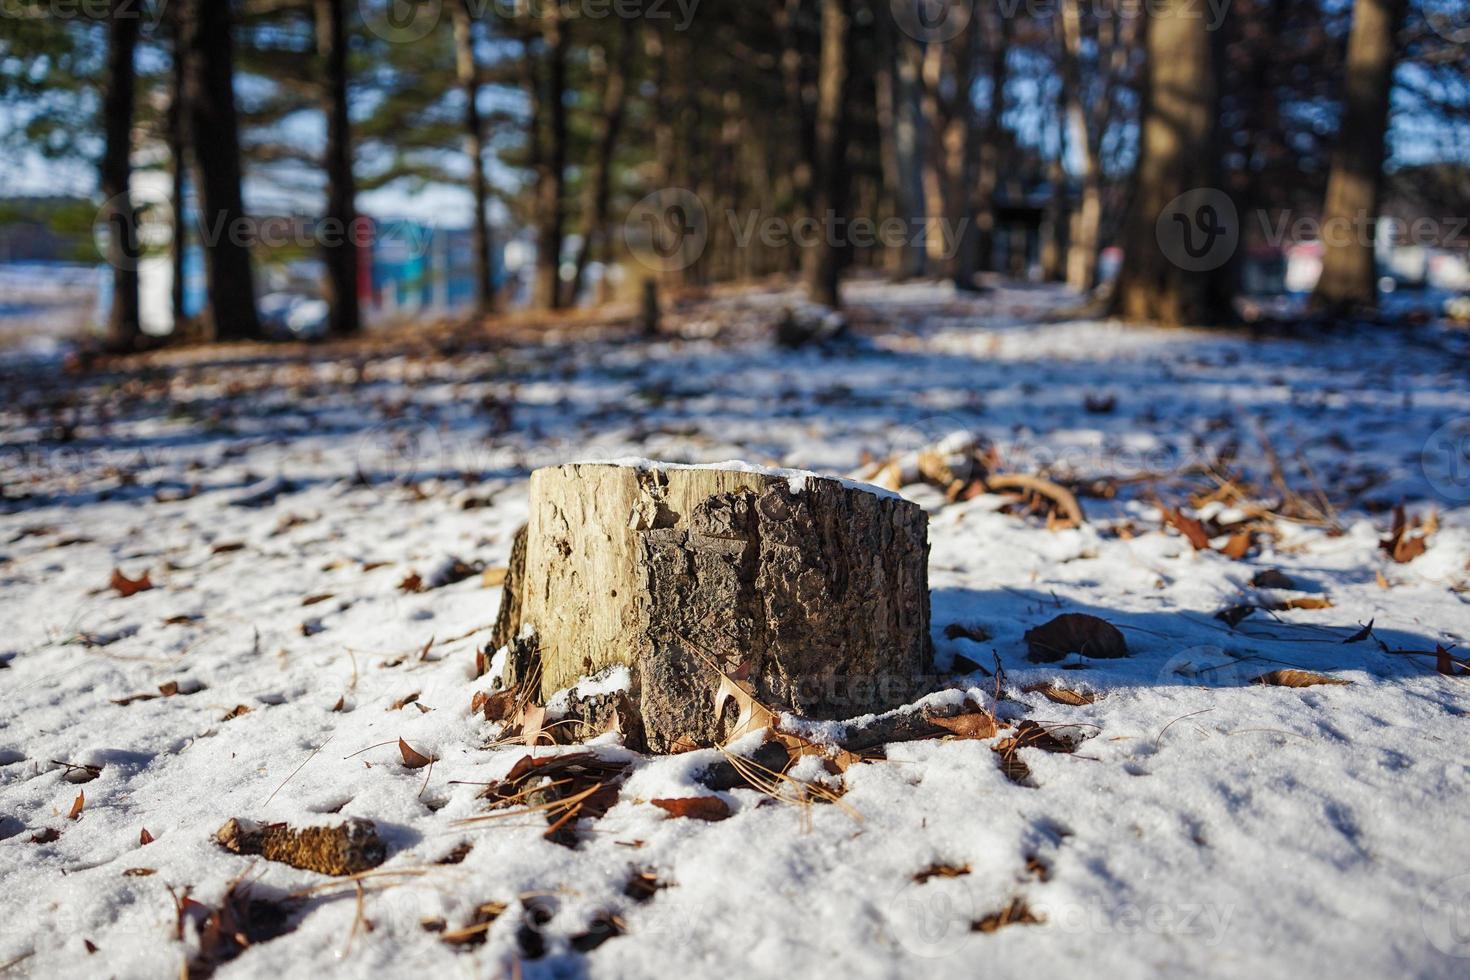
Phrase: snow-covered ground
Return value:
(1208, 826)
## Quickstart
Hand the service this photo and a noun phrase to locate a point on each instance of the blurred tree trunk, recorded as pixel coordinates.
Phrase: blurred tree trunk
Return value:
(599, 186)
(1349, 268)
(991, 148)
(1087, 218)
(342, 246)
(551, 171)
(214, 131)
(1053, 230)
(177, 138)
(950, 177)
(123, 326)
(468, 72)
(1177, 153)
(821, 263)
(797, 83)
(900, 127)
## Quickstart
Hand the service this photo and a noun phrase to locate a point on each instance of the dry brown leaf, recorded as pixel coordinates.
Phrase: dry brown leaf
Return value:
(975, 724)
(1448, 665)
(1271, 578)
(710, 808)
(227, 547)
(1304, 602)
(1061, 695)
(404, 702)
(237, 711)
(531, 720)
(412, 582)
(496, 706)
(145, 838)
(1190, 528)
(1075, 633)
(941, 871)
(312, 600)
(76, 806)
(125, 586)
(1016, 913)
(139, 872)
(1408, 548)
(1238, 546)
(1298, 678)
(753, 716)
(413, 758)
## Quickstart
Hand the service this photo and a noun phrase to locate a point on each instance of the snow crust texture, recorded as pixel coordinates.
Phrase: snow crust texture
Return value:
(315, 529)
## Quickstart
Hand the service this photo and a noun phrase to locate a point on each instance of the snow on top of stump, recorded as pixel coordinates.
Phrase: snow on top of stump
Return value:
(796, 480)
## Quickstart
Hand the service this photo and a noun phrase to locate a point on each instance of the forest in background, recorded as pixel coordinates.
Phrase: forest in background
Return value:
(702, 143)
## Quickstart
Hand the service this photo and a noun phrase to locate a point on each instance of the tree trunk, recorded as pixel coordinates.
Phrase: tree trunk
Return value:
(1349, 268)
(810, 591)
(1082, 252)
(821, 263)
(1177, 154)
(599, 187)
(550, 198)
(468, 71)
(899, 125)
(341, 245)
(123, 326)
(990, 150)
(178, 156)
(214, 130)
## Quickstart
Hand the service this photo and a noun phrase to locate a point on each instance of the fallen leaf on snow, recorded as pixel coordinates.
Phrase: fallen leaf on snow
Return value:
(975, 724)
(1297, 678)
(1015, 913)
(1270, 578)
(1075, 633)
(76, 806)
(1190, 528)
(1238, 546)
(1304, 602)
(941, 871)
(1061, 695)
(125, 586)
(709, 808)
(413, 758)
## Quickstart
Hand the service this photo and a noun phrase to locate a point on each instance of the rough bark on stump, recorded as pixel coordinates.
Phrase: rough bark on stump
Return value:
(811, 592)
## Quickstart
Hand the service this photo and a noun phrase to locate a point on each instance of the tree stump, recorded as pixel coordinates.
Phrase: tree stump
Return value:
(811, 592)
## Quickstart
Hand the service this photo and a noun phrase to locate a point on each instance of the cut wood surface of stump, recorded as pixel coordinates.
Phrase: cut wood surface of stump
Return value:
(812, 592)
